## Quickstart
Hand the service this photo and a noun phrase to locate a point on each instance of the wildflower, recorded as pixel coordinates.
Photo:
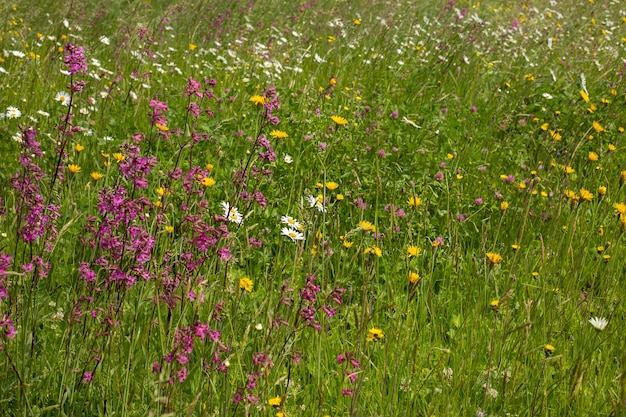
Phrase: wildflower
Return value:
(192, 47)
(291, 222)
(374, 334)
(256, 99)
(347, 244)
(374, 250)
(287, 159)
(119, 157)
(63, 98)
(331, 185)
(555, 135)
(316, 202)
(339, 120)
(504, 206)
(599, 323)
(231, 213)
(74, 169)
(275, 402)
(414, 277)
(104, 40)
(529, 77)
(586, 195)
(598, 127)
(515, 246)
(246, 284)
(294, 235)
(207, 182)
(78, 147)
(495, 305)
(611, 147)
(494, 258)
(75, 59)
(620, 208)
(367, 226)
(278, 134)
(96, 175)
(413, 251)
(549, 349)
(339, 197)
(584, 96)
(13, 112)
(415, 201)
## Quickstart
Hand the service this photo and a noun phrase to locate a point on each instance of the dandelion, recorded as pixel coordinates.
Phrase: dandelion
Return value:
(599, 323)
(78, 147)
(495, 305)
(549, 349)
(259, 100)
(96, 176)
(373, 250)
(592, 156)
(494, 258)
(207, 182)
(339, 120)
(598, 127)
(63, 98)
(231, 213)
(620, 208)
(278, 134)
(192, 47)
(119, 157)
(13, 112)
(275, 402)
(584, 96)
(586, 195)
(415, 201)
(504, 206)
(246, 284)
(74, 169)
(331, 185)
(367, 226)
(374, 334)
(413, 251)
(294, 235)
(414, 277)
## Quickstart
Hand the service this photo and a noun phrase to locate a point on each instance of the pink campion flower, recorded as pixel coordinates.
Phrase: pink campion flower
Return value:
(87, 376)
(75, 59)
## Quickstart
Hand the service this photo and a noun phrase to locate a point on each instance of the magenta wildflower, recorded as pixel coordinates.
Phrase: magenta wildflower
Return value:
(75, 59)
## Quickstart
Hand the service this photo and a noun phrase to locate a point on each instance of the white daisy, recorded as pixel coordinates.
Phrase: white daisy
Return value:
(13, 112)
(316, 202)
(599, 323)
(294, 235)
(63, 98)
(291, 222)
(410, 122)
(104, 40)
(288, 159)
(231, 213)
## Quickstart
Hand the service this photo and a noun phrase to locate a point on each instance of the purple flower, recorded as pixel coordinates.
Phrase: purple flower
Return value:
(75, 59)
(439, 176)
(478, 201)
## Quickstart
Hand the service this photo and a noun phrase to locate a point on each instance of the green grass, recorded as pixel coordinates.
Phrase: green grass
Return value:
(125, 293)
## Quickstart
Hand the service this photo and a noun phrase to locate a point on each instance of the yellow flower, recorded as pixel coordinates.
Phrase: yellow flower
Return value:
(620, 208)
(119, 157)
(256, 99)
(414, 277)
(415, 201)
(555, 135)
(246, 284)
(413, 251)
(162, 191)
(611, 147)
(598, 127)
(494, 258)
(339, 197)
(331, 185)
(96, 176)
(374, 250)
(544, 126)
(339, 120)
(495, 305)
(529, 77)
(584, 96)
(207, 182)
(549, 349)
(192, 47)
(568, 169)
(586, 195)
(209, 167)
(374, 334)
(367, 226)
(347, 244)
(275, 402)
(515, 246)
(356, 21)
(169, 229)
(504, 205)
(278, 134)
(78, 147)
(593, 156)
(162, 128)
(74, 169)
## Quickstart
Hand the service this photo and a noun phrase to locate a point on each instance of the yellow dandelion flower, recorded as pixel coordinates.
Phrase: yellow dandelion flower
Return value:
(415, 201)
(549, 349)
(555, 135)
(207, 182)
(494, 258)
(246, 284)
(192, 47)
(278, 134)
(413, 251)
(78, 147)
(96, 176)
(586, 195)
(339, 120)
(611, 147)
(598, 127)
(119, 157)
(414, 277)
(584, 96)
(275, 402)
(593, 156)
(367, 226)
(169, 229)
(74, 169)
(256, 99)
(347, 244)
(495, 305)
(544, 126)
(620, 208)
(374, 334)
(339, 197)
(602, 190)
(331, 185)
(504, 206)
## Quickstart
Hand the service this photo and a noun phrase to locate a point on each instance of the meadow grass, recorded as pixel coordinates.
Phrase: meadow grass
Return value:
(363, 208)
